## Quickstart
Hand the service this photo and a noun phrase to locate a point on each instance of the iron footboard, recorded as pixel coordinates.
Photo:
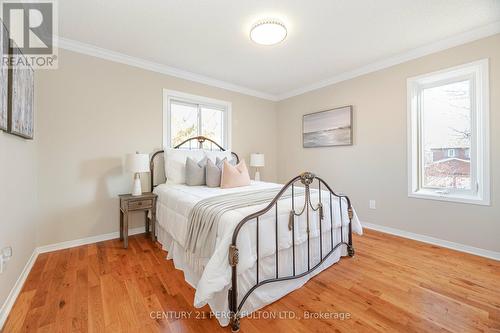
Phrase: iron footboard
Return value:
(306, 179)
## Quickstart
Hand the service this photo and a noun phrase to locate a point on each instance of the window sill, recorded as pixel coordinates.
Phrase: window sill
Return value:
(460, 198)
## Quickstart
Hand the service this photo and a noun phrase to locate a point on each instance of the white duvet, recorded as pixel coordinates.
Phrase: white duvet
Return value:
(176, 200)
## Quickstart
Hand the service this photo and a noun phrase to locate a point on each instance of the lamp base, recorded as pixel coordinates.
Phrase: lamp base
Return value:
(257, 176)
(137, 189)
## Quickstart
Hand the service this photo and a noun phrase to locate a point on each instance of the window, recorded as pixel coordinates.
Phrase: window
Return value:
(448, 139)
(186, 116)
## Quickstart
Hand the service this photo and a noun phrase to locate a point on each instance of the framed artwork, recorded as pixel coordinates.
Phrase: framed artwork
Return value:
(4, 78)
(21, 98)
(327, 128)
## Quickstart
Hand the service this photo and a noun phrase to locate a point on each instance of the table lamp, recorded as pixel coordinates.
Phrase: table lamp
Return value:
(137, 163)
(257, 161)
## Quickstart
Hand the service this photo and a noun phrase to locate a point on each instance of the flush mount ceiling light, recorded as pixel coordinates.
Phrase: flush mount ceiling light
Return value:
(268, 32)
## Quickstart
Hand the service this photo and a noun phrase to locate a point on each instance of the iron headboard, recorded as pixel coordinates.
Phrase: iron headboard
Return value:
(201, 140)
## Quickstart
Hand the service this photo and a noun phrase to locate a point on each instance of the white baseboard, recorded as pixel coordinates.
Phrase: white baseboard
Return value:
(87, 240)
(18, 286)
(16, 290)
(435, 241)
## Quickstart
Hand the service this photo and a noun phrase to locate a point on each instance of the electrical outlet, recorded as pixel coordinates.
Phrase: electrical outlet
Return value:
(7, 252)
(5, 255)
(373, 204)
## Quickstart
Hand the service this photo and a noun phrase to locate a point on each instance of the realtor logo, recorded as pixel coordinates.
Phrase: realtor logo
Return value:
(31, 27)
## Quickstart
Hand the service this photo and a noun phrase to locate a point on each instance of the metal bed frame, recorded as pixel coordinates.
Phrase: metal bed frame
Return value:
(201, 140)
(305, 180)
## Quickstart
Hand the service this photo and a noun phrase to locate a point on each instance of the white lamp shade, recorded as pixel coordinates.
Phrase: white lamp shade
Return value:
(257, 160)
(137, 162)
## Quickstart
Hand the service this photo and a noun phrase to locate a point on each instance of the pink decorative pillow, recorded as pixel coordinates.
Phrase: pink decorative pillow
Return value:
(234, 176)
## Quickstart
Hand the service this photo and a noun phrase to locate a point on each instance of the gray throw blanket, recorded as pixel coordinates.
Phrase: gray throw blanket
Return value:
(205, 216)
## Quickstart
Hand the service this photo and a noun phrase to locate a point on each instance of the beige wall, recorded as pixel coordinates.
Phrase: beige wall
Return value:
(375, 166)
(17, 206)
(90, 113)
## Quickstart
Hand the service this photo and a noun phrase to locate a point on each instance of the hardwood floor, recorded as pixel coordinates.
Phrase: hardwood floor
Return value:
(391, 285)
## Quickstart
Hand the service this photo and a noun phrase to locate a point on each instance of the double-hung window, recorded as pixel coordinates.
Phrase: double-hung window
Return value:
(448, 137)
(186, 116)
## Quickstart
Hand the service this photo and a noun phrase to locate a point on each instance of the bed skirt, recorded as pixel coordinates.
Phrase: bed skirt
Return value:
(263, 295)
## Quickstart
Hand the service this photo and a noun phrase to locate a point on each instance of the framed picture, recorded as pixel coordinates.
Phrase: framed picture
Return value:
(21, 98)
(4, 78)
(327, 128)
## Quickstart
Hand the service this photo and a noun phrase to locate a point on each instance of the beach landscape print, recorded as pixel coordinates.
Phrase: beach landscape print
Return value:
(22, 97)
(4, 76)
(328, 128)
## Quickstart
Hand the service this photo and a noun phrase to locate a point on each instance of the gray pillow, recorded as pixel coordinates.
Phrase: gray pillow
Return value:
(195, 171)
(220, 162)
(214, 171)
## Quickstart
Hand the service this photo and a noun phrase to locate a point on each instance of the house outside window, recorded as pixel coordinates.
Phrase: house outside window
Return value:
(448, 139)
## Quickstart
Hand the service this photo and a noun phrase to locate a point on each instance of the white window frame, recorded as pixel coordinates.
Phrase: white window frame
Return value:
(201, 101)
(480, 147)
(451, 153)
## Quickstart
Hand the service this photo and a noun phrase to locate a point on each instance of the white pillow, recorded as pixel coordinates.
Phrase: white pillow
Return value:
(214, 154)
(175, 163)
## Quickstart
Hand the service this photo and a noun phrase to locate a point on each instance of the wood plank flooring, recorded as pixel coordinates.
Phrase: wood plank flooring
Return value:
(391, 285)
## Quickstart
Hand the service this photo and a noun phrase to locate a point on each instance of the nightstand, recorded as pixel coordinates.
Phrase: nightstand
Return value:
(144, 202)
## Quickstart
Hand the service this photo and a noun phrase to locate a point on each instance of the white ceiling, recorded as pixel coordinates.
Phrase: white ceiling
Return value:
(326, 38)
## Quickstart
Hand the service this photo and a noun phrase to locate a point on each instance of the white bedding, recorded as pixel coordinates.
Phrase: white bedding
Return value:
(211, 278)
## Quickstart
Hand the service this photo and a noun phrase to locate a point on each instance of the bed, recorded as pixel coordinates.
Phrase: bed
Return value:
(273, 243)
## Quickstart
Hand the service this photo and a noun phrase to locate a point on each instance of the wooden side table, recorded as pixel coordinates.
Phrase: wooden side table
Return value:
(145, 202)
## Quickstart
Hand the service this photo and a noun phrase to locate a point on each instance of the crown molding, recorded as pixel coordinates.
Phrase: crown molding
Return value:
(443, 44)
(91, 50)
(456, 40)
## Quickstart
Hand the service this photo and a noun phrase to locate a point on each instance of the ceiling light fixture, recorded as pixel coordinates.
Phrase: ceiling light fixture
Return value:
(268, 32)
